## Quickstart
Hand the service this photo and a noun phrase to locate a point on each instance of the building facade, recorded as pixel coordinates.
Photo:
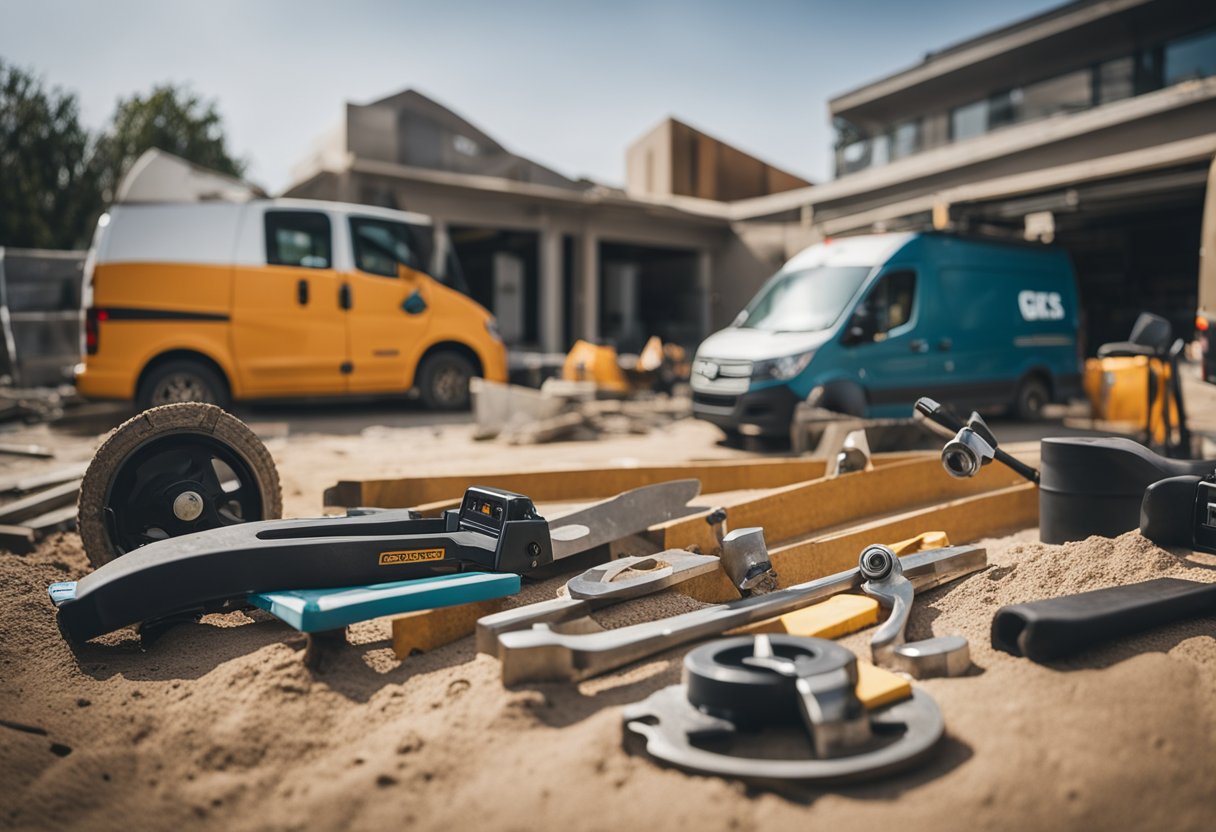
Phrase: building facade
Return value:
(1090, 126)
(554, 258)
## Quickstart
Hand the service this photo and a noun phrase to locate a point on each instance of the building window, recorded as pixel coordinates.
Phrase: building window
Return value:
(1116, 80)
(1062, 94)
(969, 120)
(905, 140)
(298, 238)
(1191, 58)
(880, 150)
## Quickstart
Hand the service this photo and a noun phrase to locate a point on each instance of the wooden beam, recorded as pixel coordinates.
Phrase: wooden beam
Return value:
(810, 507)
(40, 503)
(585, 483)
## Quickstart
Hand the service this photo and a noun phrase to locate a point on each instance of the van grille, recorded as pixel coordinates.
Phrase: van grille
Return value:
(710, 400)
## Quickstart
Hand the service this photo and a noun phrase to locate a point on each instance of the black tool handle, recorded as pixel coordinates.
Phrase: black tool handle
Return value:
(1057, 627)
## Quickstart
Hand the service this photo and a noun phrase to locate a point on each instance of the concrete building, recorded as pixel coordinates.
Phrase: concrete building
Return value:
(554, 258)
(1090, 126)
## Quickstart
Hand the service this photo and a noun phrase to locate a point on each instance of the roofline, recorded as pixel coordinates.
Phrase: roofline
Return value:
(699, 210)
(981, 48)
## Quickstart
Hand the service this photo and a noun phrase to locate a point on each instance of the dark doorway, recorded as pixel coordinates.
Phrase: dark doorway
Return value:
(502, 271)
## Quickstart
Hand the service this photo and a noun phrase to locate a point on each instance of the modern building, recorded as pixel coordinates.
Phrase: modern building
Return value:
(554, 258)
(1090, 126)
(674, 159)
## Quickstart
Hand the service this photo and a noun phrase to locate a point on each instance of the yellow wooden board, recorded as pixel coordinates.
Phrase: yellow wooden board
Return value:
(586, 483)
(430, 629)
(835, 617)
(877, 687)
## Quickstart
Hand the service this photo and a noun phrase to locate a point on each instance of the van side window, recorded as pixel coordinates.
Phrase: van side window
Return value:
(890, 303)
(298, 238)
(381, 244)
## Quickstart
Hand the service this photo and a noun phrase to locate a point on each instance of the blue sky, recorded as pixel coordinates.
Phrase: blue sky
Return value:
(569, 84)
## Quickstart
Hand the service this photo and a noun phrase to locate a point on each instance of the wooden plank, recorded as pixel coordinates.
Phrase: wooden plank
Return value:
(806, 508)
(18, 540)
(585, 483)
(35, 451)
(877, 686)
(60, 519)
(833, 618)
(40, 503)
(32, 482)
(964, 521)
(417, 632)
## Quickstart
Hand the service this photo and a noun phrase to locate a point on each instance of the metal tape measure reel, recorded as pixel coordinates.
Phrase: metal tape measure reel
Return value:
(781, 709)
(170, 471)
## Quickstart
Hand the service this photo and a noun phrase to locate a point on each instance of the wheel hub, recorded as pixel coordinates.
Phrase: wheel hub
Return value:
(188, 506)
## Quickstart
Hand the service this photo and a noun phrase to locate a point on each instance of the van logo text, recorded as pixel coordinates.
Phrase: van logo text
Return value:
(1041, 306)
(410, 556)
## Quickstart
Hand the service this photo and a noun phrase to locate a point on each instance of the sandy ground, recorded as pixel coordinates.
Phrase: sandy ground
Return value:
(220, 724)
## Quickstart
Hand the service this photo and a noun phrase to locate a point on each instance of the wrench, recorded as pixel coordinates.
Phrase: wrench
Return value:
(541, 654)
(595, 588)
(886, 583)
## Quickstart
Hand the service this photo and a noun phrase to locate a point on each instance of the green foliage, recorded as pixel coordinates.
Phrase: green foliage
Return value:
(56, 178)
(48, 191)
(170, 118)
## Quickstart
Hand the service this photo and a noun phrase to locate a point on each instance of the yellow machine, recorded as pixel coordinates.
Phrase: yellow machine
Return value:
(275, 298)
(592, 362)
(1118, 391)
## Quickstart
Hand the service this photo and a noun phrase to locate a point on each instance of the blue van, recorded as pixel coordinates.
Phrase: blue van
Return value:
(866, 325)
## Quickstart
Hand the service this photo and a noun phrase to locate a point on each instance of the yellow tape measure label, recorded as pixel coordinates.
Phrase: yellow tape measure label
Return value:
(410, 556)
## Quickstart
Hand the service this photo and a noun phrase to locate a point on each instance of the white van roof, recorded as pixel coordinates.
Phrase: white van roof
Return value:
(864, 250)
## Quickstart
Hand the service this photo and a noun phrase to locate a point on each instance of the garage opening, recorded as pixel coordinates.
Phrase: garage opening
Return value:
(502, 271)
(647, 291)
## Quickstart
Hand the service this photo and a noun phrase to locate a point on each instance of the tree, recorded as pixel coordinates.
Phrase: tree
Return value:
(48, 190)
(170, 118)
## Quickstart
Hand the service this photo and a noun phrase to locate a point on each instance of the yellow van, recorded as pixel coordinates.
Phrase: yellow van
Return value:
(221, 301)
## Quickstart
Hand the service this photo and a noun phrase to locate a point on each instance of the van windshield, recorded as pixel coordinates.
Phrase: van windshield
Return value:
(803, 300)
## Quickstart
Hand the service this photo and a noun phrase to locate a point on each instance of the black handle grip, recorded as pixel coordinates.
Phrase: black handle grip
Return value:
(302, 292)
(945, 345)
(918, 345)
(344, 296)
(1046, 630)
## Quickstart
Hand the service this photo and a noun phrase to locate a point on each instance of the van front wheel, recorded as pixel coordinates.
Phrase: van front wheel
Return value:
(443, 381)
(180, 381)
(1032, 397)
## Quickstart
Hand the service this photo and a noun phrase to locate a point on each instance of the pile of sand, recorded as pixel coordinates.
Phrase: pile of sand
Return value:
(220, 725)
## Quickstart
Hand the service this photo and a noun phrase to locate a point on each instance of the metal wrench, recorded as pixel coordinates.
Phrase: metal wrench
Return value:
(541, 654)
(887, 584)
(597, 587)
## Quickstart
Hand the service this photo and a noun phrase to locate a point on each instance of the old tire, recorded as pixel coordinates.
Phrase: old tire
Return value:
(1031, 397)
(182, 380)
(443, 381)
(158, 456)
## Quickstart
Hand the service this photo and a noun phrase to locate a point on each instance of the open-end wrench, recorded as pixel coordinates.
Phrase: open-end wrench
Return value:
(541, 654)
(597, 587)
(887, 584)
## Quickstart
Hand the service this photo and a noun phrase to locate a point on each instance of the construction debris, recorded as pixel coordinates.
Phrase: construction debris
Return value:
(566, 410)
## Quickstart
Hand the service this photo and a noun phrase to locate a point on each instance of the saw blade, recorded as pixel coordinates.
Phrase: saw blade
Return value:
(628, 513)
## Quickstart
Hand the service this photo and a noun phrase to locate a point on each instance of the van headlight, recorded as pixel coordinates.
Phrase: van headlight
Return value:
(492, 328)
(781, 369)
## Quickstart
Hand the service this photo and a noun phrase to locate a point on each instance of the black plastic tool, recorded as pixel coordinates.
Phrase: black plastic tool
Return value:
(1043, 631)
(1181, 511)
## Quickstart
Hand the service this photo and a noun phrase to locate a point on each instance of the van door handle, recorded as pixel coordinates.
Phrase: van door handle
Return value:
(918, 345)
(302, 292)
(945, 345)
(344, 299)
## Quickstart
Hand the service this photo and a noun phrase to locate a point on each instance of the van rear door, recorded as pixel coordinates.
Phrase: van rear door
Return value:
(288, 324)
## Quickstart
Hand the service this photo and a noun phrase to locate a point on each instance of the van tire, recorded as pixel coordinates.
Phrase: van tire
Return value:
(182, 380)
(1032, 396)
(443, 381)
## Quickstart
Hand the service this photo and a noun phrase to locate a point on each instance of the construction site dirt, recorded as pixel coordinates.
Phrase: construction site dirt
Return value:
(220, 723)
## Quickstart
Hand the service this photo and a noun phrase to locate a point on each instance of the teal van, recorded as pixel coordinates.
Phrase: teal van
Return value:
(866, 325)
